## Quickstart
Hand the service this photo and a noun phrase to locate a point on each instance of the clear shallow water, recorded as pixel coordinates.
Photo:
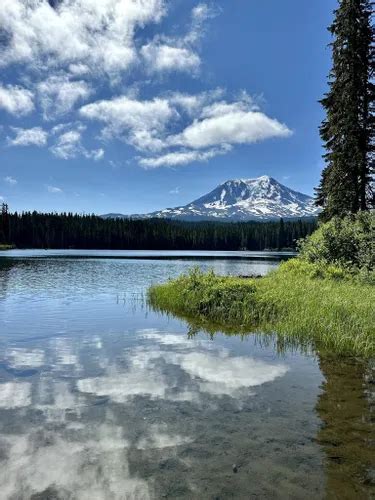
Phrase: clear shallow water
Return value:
(101, 398)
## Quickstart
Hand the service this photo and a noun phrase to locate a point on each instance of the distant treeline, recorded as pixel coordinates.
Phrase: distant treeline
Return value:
(67, 230)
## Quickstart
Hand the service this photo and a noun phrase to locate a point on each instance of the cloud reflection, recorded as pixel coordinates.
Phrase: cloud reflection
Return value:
(209, 370)
(222, 374)
(15, 395)
(90, 469)
(87, 418)
(25, 358)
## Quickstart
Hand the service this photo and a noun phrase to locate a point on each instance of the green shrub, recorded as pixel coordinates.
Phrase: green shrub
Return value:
(347, 243)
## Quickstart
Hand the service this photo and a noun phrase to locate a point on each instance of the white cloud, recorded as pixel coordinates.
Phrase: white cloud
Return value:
(224, 123)
(176, 190)
(140, 123)
(200, 14)
(178, 53)
(58, 95)
(179, 158)
(97, 33)
(163, 57)
(95, 154)
(217, 126)
(10, 180)
(54, 189)
(69, 144)
(62, 127)
(28, 137)
(193, 104)
(16, 100)
(79, 69)
(78, 47)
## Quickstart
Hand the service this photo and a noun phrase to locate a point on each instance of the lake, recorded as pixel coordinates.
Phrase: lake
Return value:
(103, 398)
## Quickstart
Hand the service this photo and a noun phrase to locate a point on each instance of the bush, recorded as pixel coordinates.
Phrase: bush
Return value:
(314, 270)
(347, 243)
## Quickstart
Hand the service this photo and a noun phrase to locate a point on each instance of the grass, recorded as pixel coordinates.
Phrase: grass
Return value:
(4, 246)
(321, 306)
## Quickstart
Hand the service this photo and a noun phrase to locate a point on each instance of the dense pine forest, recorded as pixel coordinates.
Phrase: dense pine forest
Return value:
(58, 231)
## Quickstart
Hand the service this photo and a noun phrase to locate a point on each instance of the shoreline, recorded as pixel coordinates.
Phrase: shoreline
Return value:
(305, 303)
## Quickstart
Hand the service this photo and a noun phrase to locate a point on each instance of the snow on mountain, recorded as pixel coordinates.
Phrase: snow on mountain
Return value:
(244, 199)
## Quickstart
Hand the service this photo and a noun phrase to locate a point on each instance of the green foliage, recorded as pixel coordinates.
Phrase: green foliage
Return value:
(348, 129)
(37, 230)
(306, 302)
(208, 294)
(348, 243)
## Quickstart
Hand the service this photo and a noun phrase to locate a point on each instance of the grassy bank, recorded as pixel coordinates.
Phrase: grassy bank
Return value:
(310, 303)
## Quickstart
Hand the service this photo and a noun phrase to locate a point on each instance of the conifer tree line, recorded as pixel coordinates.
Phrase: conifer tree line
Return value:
(67, 230)
(346, 185)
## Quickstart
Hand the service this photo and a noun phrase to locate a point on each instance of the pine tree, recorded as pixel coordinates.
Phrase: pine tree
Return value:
(348, 130)
(281, 235)
(4, 224)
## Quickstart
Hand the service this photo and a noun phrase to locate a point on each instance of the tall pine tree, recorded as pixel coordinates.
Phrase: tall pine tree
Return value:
(348, 130)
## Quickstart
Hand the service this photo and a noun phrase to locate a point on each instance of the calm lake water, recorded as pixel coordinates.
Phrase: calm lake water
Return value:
(102, 398)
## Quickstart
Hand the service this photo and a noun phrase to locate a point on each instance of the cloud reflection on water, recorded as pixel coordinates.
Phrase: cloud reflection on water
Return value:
(25, 358)
(91, 468)
(15, 395)
(211, 370)
(68, 441)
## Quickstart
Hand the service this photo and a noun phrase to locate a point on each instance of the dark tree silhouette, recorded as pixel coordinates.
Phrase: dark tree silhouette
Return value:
(348, 129)
(67, 230)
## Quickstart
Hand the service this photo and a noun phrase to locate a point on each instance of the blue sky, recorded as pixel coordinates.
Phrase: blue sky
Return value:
(133, 105)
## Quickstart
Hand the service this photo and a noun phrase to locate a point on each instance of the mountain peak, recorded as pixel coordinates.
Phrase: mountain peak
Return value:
(260, 198)
(247, 194)
(262, 178)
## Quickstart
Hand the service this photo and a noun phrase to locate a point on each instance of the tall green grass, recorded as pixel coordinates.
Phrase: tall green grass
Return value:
(313, 304)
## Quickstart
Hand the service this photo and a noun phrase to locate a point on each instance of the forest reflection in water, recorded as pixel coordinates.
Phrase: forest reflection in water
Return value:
(103, 398)
(347, 435)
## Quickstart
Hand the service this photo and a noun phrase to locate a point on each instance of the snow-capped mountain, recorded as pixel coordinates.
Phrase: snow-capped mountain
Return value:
(244, 199)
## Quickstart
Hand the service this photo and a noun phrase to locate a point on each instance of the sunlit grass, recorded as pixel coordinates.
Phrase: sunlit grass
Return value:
(300, 301)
